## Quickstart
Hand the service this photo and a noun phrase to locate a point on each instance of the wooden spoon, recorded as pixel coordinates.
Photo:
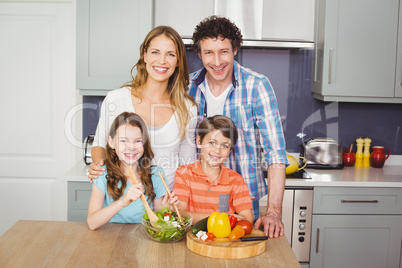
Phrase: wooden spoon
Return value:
(152, 217)
(167, 189)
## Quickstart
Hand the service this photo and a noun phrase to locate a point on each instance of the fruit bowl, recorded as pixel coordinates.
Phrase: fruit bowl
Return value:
(170, 230)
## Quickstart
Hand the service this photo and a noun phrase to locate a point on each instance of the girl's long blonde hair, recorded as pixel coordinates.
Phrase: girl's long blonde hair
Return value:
(178, 82)
(114, 165)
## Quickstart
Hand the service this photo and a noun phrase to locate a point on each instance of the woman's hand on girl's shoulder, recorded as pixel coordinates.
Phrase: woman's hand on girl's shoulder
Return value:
(132, 194)
(95, 169)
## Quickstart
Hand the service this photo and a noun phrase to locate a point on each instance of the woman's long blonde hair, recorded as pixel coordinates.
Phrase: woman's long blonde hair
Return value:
(178, 82)
(113, 163)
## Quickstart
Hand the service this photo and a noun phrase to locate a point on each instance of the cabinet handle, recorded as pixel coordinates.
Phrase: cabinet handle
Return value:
(318, 239)
(400, 83)
(316, 38)
(359, 201)
(330, 66)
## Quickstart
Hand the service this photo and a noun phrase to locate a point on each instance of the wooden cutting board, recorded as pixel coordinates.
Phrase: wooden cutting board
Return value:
(223, 248)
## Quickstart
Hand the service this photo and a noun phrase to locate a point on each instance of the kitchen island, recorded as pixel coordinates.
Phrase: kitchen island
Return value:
(72, 244)
(355, 203)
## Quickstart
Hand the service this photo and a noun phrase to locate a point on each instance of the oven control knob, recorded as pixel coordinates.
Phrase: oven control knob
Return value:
(301, 239)
(303, 213)
(302, 226)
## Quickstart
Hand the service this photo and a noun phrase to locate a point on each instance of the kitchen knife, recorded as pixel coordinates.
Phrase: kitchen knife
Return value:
(242, 239)
(253, 238)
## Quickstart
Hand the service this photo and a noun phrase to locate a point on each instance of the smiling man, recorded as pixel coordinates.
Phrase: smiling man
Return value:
(224, 87)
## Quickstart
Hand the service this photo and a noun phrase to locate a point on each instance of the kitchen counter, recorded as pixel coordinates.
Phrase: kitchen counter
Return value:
(388, 176)
(72, 244)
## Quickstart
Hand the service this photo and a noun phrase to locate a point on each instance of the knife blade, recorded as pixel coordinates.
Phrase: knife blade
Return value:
(254, 238)
(242, 239)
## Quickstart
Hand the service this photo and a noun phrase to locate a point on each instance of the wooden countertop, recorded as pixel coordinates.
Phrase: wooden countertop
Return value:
(72, 244)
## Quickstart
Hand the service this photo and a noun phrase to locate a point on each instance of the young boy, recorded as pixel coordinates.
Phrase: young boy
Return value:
(207, 185)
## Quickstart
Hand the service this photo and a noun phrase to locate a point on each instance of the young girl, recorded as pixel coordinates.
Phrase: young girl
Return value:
(207, 185)
(114, 198)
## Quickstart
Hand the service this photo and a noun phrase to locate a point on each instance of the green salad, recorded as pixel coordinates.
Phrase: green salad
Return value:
(168, 227)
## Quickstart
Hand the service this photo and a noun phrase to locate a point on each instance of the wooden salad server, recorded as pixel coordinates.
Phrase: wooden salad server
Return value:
(167, 189)
(152, 217)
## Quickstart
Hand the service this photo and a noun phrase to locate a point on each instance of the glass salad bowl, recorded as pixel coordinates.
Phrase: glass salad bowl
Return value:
(167, 228)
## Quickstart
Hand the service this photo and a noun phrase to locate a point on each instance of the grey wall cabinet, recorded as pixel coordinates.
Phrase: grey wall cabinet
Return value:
(398, 76)
(356, 227)
(78, 194)
(109, 35)
(356, 51)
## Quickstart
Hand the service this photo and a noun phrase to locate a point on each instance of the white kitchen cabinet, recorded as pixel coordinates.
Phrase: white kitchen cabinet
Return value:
(109, 35)
(356, 227)
(355, 51)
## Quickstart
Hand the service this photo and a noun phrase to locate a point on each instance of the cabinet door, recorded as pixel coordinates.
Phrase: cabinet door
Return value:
(182, 15)
(398, 77)
(290, 20)
(358, 241)
(356, 48)
(109, 35)
(79, 194)
(364, 200)
(36, 66)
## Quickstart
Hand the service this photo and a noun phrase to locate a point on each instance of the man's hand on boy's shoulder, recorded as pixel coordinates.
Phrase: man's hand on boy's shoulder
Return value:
(273, 226)
(95, 169)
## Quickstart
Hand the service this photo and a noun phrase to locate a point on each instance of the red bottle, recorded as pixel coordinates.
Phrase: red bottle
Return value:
(378, 156)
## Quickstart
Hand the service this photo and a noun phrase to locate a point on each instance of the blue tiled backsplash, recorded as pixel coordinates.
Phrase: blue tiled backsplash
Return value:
(303, 117)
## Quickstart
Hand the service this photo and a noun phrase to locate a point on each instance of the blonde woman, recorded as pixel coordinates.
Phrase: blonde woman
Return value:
(158, 94)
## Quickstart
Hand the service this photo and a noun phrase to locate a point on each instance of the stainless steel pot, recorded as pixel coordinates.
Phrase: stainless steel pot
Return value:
(87, 149)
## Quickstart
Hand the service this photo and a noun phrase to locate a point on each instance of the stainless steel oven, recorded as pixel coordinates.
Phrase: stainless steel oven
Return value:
(296, 216)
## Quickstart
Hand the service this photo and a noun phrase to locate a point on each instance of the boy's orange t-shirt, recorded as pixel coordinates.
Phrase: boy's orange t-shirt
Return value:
(229, 193)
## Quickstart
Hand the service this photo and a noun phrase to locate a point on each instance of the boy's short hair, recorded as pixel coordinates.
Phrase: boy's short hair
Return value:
(214, 27)
(219, 122)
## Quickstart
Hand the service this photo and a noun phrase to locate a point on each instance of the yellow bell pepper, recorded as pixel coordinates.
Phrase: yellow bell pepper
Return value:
(219, 224)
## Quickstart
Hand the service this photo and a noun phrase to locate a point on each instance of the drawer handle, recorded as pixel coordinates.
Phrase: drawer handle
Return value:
(359, 201)
(318, 239)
